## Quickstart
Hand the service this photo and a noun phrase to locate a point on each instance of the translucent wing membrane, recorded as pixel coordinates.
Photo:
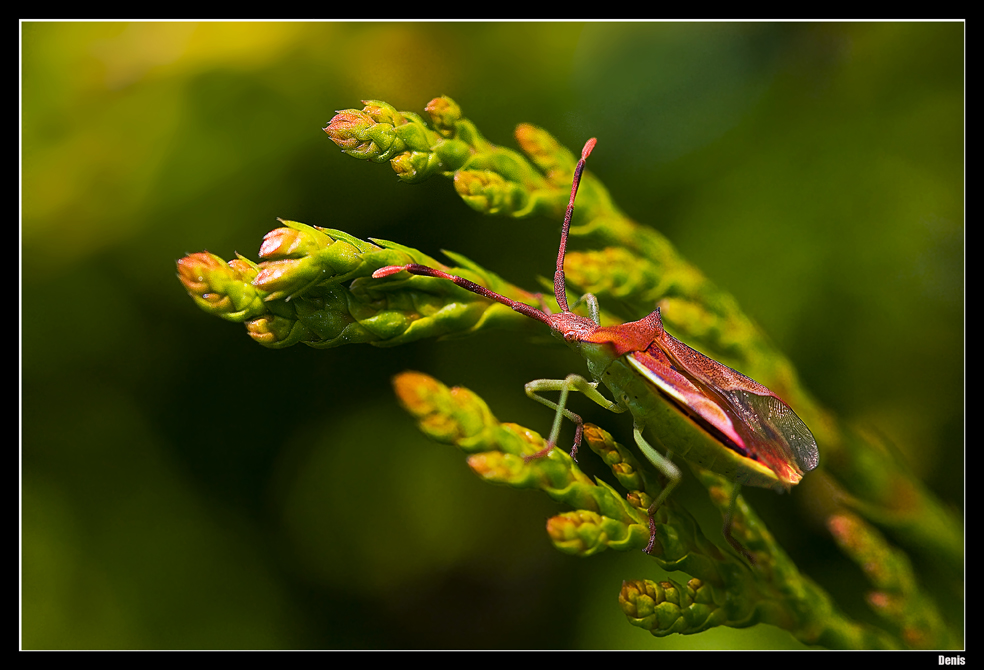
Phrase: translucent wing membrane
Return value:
(773, 422)
(748, 414)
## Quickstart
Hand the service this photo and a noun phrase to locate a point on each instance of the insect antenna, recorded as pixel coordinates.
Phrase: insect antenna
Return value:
(560, 280)
(427, 271)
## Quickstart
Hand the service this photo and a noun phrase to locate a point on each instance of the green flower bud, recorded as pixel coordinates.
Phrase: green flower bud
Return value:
(359, 135)
(580, 532)
(318, 258)
(197, 270)
(221, 288)
(495, 466)
(382, 112)
(488, 192)
(279, 277)
(445, 114)
(663, 608)
(415, 166)
(614, 455)
(277, 331)
(639, 499)
(347, 129)
(553, 159)
(451, 416)
(292, 242)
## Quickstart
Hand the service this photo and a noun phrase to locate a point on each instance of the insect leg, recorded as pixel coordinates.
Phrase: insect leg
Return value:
(572, 382)
(667, 468)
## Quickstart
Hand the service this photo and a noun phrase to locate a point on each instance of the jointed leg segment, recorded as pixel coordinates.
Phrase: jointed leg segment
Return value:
(570, 383)
(576, 382)
(666, 468)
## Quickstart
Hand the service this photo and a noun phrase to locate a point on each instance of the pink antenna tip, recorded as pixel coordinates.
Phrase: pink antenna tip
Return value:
(387, 271)
(588, 147)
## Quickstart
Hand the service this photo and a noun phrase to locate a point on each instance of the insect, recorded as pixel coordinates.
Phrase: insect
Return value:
(697, 408)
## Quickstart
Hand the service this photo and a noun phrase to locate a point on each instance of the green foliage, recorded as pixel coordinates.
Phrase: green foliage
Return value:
(183, 488)
(314, 286)
(723, 590)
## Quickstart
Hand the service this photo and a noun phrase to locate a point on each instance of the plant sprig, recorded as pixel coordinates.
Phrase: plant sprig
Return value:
(637, 266)
(723, 590)
(314, 285)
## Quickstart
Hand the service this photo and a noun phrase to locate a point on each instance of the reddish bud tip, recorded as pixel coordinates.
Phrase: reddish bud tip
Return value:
(346, 129)
(196, 271)
(280, 242)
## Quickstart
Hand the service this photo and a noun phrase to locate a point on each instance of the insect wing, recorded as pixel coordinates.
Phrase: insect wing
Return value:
(774, 423)
(657, 368)
(747, 413)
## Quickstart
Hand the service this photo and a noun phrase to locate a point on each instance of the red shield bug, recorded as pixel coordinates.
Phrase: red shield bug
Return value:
(695, 407)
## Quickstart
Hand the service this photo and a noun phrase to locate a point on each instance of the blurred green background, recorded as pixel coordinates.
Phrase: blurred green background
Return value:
(183, 487)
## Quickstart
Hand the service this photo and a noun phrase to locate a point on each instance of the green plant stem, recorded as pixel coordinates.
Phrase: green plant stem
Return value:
(315, 286)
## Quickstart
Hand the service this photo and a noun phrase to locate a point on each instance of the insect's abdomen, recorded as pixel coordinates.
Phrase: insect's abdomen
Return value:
(676, 431)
